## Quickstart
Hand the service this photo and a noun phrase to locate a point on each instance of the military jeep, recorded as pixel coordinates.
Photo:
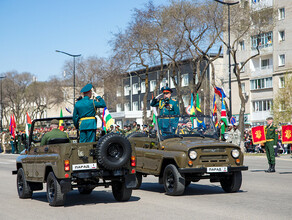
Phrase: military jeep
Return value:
(185, 149)
(65, 164)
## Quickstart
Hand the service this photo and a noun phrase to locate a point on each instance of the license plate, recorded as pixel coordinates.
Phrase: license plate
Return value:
(217, 170)
(85, 166)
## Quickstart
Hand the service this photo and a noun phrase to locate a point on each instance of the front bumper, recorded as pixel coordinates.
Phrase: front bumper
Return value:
(203, 170)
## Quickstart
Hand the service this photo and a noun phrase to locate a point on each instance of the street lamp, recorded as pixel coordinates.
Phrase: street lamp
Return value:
(1, 104)
(71, 55)
(229, 58)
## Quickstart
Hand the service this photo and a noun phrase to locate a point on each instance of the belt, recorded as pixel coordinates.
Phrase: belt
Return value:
(86, 118)
(270, 140)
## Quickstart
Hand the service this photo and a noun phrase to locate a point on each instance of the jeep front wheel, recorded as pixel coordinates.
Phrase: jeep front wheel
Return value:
(23, 188)
(174, 183)
(232, 183)
(54, 194)
(120, 192)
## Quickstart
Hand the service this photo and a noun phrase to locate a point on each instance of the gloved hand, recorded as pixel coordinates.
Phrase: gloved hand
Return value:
(94, 94)
(274, 146)
(159, 96)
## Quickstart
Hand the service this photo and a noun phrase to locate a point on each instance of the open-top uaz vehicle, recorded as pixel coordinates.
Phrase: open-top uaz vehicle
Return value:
(65, 166)
(186, 149)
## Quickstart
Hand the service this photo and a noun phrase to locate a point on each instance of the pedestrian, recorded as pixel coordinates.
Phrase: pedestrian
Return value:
(166, 106)
(54, 133)
(271, 143)
(84, 114)
(236, 135)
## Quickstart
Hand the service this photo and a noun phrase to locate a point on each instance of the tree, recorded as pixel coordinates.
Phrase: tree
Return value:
(282, 106)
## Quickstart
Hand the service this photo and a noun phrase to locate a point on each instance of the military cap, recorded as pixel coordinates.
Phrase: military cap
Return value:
(54, 122)
(270, 118)
(151, 125)
(86, 88)
(145, 126)
(166, 89)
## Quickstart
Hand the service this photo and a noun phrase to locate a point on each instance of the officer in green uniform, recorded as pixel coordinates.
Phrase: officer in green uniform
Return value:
(54, 133)
(271, 142)
(84, 114)
(167, 106)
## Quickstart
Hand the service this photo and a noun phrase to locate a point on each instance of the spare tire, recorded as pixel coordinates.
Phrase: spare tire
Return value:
(137, 134)
(113, 151)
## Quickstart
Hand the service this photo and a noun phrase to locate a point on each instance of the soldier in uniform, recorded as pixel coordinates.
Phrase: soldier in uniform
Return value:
(167, 106)
(187, 128)
(84, 114)
(54, 133)
(271, 143)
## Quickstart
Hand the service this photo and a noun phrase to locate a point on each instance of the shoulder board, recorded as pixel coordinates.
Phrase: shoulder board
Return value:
(173, 100)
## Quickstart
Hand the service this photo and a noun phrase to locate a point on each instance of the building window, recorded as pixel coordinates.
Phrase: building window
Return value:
(243, 68)
(119, 93)
(135, 106)
(281, 36)
(263, 105)
(152, 85)
(143, 87)
(185, 80)
(172, 83)
(135, 88)
(127, 90)
(127, 107)
(265, 64)
(119, 107)
(281, 13)
(163, 83)
(186, 100)
(243, 87)
(282, 107)
(282, 60)
(261, 83)
(241, 45)
(142, 104)
(263, 40)
(282, 82)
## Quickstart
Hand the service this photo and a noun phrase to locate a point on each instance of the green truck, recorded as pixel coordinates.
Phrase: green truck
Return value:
(185, 149)
(64, 164)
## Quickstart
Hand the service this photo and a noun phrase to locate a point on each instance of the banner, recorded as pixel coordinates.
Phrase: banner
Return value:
(287, 134)
(258, 135)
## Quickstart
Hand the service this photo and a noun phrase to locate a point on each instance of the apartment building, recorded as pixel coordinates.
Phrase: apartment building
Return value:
(263, 75)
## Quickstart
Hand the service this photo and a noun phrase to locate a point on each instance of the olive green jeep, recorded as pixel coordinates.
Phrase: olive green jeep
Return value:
(185, 149)
(64, 164)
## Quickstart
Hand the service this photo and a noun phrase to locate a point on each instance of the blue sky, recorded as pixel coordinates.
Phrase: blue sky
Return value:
(31, 31)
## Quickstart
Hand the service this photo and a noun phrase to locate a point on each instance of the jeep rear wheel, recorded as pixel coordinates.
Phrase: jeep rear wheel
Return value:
(120, 192)
(113, 151)
(85, 190)
(23, 188)
(174, 183)
(232, 183)
(54, 194)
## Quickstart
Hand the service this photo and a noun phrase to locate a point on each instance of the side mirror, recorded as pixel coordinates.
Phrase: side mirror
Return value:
(225, 136)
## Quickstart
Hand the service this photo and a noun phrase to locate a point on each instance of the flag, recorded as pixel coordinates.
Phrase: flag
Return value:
(198, 106)
(12, 126)
(223, 118)
(200, 122)
(258, 134)
(214, 115)
(61, 127)
(192, 110)
(68, 110)
(220, 92)
(27, 124)
(287, 134)
(107, 119)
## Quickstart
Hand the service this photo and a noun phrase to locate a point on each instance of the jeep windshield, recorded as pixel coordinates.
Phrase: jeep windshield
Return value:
(172, 126)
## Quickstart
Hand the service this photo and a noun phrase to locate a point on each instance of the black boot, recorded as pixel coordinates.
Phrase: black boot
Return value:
(273, 168)
(269, 170)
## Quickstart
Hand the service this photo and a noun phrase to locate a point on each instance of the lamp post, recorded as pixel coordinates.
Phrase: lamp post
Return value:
(74, 56)
(228, 50)
(1, 105)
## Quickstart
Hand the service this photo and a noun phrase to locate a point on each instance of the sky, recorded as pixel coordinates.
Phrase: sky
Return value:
(32, 30)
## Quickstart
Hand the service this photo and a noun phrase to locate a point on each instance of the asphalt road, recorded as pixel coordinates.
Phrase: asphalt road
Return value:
(262, 196)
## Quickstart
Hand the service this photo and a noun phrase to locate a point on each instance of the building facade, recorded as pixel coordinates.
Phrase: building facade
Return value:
(263, 75)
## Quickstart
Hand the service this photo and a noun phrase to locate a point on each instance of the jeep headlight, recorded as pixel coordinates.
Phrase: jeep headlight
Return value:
(193, 154)
(235, 153)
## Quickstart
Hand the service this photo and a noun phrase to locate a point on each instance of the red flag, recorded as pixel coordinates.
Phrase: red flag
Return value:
(12, 126)
(28, 120)
(258, 135)
(287, 134)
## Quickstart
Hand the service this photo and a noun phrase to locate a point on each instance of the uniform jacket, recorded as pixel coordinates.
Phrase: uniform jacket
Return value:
(86, 108)
(166, 108)
(55, 133)
(271, 134)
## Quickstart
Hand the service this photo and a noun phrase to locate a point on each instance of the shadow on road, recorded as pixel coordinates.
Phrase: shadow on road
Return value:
(74, 198)
(285, 172)
(192, 189)
(253, 171)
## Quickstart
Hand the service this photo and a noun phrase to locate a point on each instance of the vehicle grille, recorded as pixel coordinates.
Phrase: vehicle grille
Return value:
(213, 150)
(214, 159)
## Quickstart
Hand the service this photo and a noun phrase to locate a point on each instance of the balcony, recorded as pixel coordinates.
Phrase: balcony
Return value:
(263, 71)
(259, 5)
